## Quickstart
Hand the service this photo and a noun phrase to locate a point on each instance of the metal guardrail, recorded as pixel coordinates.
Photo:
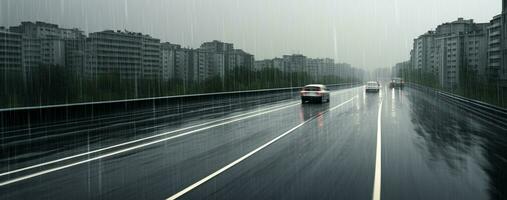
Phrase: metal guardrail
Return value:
(165, 97)
(158, 105)
(488, 111)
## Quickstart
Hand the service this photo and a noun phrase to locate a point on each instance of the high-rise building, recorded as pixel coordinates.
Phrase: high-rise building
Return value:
(150, 54)
(46, 31)
(497, 50)
(423, 50)
(238, 59)
(217, 46)
(200, 69)
(206, 64)
(216, 63)
(44, 43)
(294, 63)
(278, 64)
(10, 50)
(223, 57)
(503, 71)
(320, 67)
(314, 67)
(475, 51)
(400, 68)
(328, 68)
(75, 55)
(494, 47)
(129, 54)
(452, 49)
(182, 63)
(263, 64)
(168, 56)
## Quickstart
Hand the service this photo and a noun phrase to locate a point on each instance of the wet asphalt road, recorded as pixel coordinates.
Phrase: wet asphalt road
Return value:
(430, 150)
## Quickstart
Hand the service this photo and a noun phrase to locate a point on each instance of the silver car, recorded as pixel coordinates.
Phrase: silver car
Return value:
(372, 86)
(315, 93)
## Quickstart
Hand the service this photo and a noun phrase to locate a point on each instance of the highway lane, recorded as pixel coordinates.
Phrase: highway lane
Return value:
(36, 142)
(184, 158)
(333, 157)
(430, 150)
(435, 150)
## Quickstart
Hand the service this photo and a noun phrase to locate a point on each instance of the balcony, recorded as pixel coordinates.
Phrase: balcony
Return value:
(495, 57)
(495, 41)
(494, 49)
(494, 64)
(494, 33)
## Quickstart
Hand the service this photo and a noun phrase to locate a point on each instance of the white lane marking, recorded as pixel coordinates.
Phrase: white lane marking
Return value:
(137, 146)
(141, 139)
(146, 138)
(378, 160)
(207, 178)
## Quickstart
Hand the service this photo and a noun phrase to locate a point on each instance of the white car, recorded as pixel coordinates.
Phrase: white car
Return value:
(315, 93)
(372, 86)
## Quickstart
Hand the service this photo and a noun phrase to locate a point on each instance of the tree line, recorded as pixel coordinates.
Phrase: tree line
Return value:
(470, 85)
(52, 85)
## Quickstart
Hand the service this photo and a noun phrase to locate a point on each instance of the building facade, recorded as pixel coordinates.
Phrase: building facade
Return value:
(497, 50)
(451, 52)
(45, 44)
(400, 68)
(168, 60)
(316, 68)
(294, 63)
(75, 55)
(263, 64)
(495, 58)
(218, 58)
(217, 46)
(237, 59)
(182, 63)
(128, 54)
(150, 57)
(11, 57)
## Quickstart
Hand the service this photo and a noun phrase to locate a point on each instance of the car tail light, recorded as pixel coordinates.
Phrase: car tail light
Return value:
(303, 93)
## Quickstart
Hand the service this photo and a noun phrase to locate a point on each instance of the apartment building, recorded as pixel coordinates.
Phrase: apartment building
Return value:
(168, 60)
(451, 50)
(225, 58)
(10, 50)
(150, 57)
(182, 63)
(129, 54)
(495, 58)
(263, 64)
(294, 63)
(45, 43)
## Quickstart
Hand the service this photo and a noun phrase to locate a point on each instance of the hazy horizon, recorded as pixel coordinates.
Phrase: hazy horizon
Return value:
(366, 34)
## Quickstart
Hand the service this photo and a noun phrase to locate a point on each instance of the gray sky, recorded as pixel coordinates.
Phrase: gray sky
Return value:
(365, 33)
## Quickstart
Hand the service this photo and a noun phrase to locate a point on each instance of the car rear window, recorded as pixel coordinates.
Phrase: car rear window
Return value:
(311, 88)
(372, 84)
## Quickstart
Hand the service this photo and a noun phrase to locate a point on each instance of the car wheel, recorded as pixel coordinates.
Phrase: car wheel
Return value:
(303, 101)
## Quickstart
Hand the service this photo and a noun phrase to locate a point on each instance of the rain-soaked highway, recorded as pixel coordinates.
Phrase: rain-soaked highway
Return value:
(429, 149)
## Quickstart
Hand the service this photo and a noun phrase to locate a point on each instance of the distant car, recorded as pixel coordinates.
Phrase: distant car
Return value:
(372, 86)
(396, 83)
(315, 93)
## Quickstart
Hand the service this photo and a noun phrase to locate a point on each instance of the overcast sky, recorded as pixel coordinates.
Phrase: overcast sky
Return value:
(365, 33)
